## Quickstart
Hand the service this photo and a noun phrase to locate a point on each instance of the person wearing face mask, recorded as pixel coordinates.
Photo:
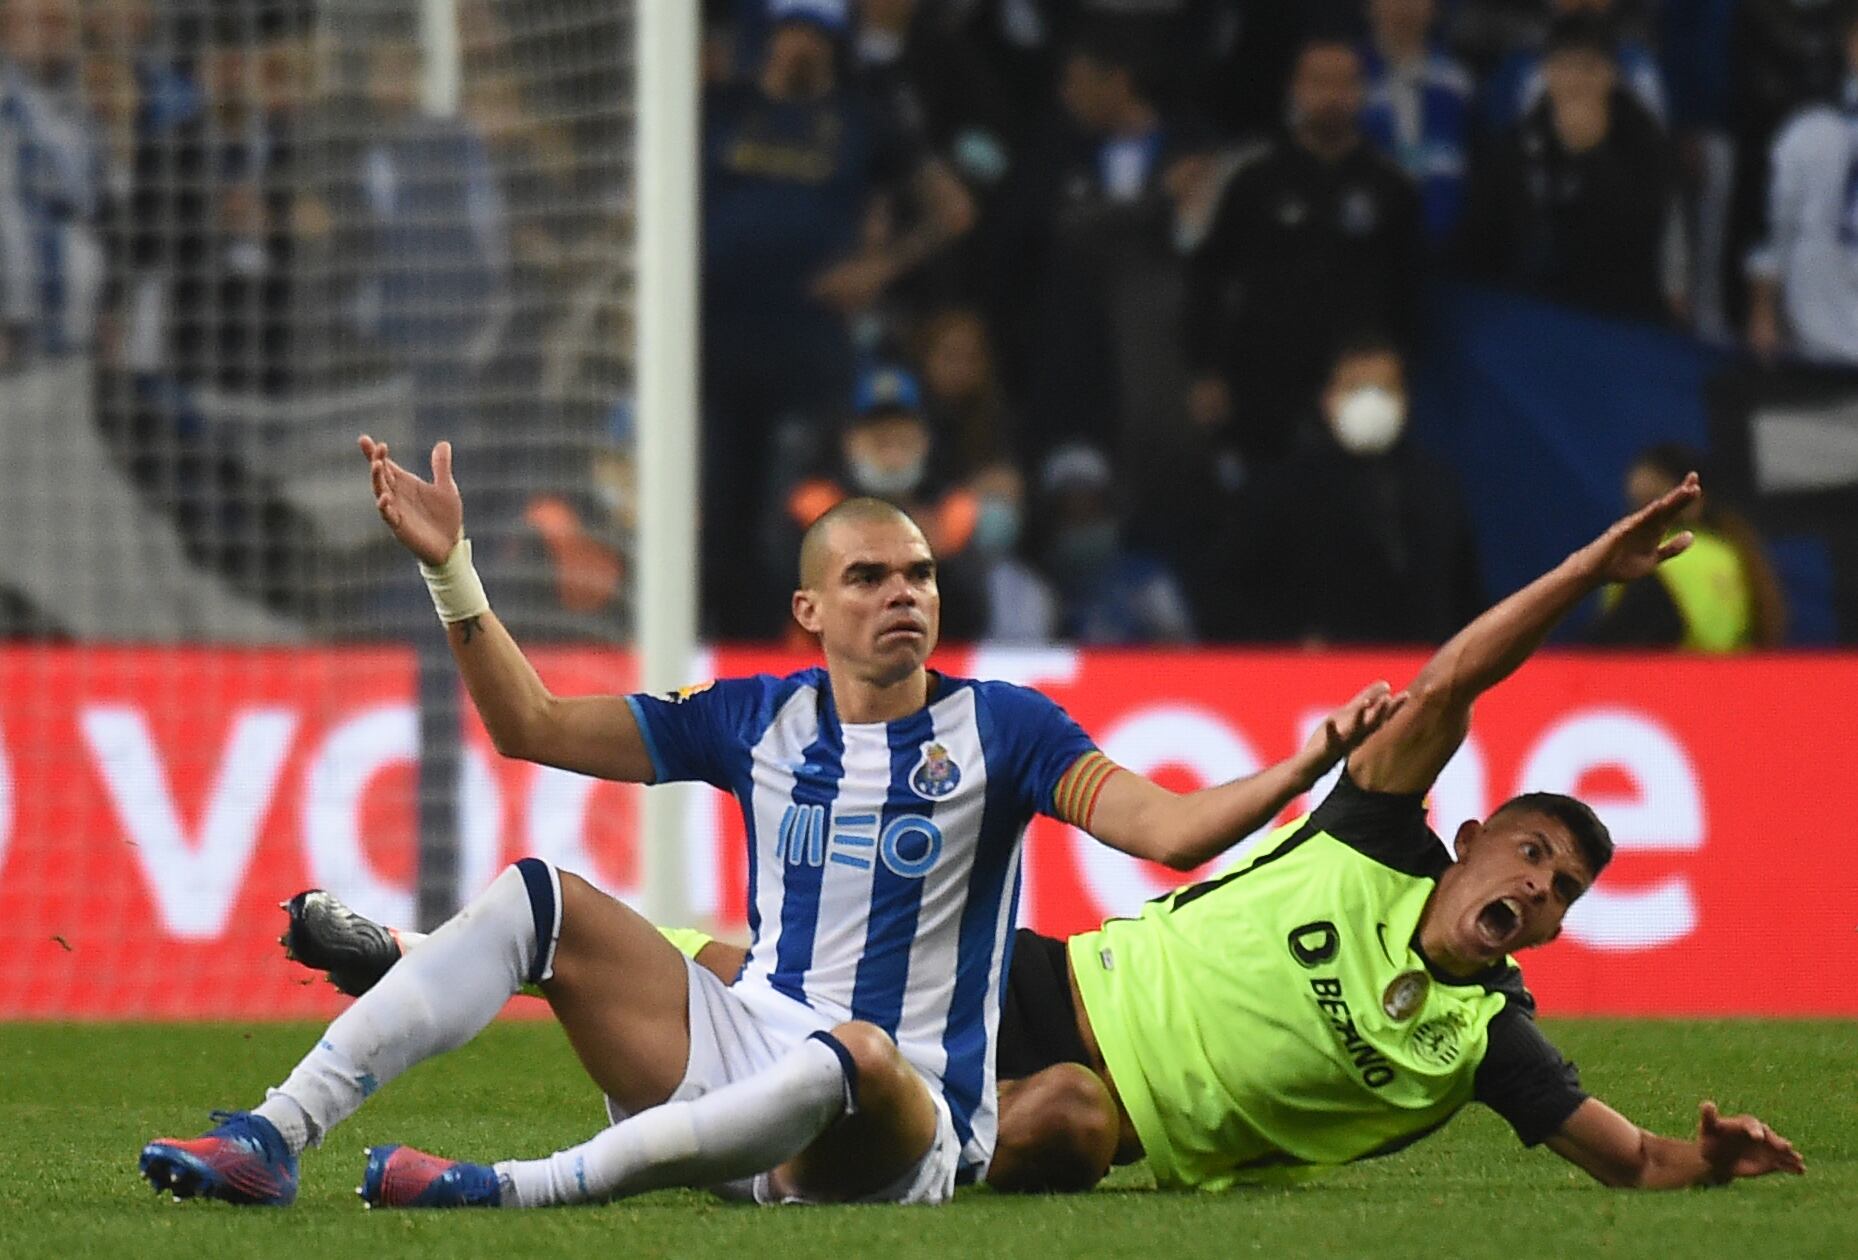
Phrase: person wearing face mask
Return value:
(800, 166)
(1316, 232)
(1021, 606)
(1112, 593)
(1387, 557)
(886, 451)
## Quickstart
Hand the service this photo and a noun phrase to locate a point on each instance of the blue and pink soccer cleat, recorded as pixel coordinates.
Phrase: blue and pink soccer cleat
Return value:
(401, 1177)
(243, 1160)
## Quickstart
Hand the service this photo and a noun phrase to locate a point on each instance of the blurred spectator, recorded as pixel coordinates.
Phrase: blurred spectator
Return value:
(1248, 47)
(962, 398)
(1021, 606)
(1720, 595)
(1803, 288)
(1694, 52)
(1520, 82)
(564, 568)
(215, 294)
(218, 208)
(1111, 593)
(535, 165)
(886, 451)
(1418, 108)
(799, 235)
(52, 185)
(1785, 54)
(974, 73)
(435, 288)
(1575, 203)
(1363, 539)
(128, 85)
(134, 37)
(1108, 365)
(1484, 33)
(1315, 236)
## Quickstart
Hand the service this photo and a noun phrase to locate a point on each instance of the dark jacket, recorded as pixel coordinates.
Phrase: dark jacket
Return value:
(1584, 229)
(1301, 254)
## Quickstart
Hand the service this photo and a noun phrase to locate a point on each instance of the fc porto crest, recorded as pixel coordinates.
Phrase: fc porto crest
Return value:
(936, 774)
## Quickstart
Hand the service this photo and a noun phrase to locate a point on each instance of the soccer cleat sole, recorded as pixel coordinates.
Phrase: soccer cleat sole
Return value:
(187, 1176)
(352, 952)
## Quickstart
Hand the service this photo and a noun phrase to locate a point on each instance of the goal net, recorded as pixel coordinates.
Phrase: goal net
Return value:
(234, 234)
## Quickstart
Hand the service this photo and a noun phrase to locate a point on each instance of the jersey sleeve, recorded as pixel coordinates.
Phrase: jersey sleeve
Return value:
(689, 941)
(702, 733)
(1524, 1079)
(1038, 743)
(1389, 827)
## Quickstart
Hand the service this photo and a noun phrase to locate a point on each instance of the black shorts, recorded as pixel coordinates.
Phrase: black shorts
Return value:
(1038, 1022)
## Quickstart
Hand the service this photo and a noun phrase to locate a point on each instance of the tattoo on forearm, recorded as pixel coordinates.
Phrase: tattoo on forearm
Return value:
(469, 629)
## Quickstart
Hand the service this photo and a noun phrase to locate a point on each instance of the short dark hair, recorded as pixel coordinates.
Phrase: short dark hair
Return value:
(1107, 45)
(1595, 841)
(1364, 342)
(859, 510)
(1586, 32)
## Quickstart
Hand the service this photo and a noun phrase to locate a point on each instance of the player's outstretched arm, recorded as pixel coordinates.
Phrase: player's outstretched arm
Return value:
(1617, 1152)
(595, 735)
(1138, 816)
(1407, 754)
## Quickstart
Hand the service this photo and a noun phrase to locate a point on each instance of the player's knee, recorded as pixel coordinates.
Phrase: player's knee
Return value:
(882, 1073)
(1071, 1128)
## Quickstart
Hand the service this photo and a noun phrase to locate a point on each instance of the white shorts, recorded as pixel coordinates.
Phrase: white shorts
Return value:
(732, 1038)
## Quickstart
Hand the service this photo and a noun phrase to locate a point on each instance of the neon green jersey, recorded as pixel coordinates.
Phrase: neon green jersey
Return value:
(689, 941)
(1281, 1017)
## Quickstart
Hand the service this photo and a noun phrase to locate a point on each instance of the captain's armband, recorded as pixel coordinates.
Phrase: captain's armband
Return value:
(1074, 800)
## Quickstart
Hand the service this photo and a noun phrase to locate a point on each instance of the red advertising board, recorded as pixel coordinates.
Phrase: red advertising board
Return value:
(155, 805)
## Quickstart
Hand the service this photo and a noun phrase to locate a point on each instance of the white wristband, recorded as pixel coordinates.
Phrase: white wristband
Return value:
(457, 594)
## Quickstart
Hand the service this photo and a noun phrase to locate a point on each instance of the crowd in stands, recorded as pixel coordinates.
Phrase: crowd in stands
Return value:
(1119, 299)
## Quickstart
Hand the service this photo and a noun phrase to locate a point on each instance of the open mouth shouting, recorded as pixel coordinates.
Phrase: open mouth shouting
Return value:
(1499, 924)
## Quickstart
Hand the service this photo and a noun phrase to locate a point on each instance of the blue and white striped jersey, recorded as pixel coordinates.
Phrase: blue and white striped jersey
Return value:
(883, 858)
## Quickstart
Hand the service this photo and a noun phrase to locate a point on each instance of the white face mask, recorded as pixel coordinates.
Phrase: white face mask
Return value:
(1369, 420)
(886, 483)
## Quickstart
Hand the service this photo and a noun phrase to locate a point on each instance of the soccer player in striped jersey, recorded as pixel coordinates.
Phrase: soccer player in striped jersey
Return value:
(884, 802)
(1338, 995)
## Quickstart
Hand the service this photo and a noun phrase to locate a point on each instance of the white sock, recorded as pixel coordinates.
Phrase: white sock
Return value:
(287, 1117)
(434, 999)
(737, 1131)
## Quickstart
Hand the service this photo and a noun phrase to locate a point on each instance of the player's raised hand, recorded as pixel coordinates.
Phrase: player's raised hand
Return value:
(426, 516)
(1742, 1146)
(1344, 729)
(1638, 543)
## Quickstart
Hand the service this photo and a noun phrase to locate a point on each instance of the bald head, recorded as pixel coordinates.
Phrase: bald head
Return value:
(816, 546)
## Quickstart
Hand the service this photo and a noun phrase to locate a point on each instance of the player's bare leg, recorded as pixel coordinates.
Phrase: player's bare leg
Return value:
(888, 1133)
(1059, 1131)
(621, 993)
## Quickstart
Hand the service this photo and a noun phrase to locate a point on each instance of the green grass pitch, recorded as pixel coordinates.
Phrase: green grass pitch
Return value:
(76, 1103)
